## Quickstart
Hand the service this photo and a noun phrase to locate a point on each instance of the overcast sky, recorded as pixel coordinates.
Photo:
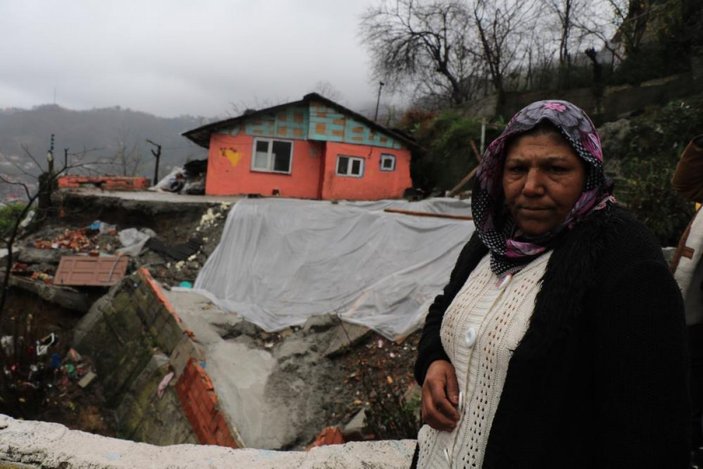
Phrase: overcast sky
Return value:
(173, 57)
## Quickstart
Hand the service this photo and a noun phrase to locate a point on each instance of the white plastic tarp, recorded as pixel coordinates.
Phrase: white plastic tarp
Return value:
(281, 261)
(438, 205)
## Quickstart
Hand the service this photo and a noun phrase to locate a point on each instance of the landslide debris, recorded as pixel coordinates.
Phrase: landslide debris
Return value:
(368, 375)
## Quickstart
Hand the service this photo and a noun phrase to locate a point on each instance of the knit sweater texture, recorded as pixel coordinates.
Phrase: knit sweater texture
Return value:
(480, 330)
(599, 378)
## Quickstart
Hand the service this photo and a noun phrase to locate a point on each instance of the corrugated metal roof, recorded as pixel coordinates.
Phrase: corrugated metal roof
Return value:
(101, 271)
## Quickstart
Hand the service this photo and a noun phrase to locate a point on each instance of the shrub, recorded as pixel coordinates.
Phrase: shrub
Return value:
(445, 156)
(8, 218)
(647, 160)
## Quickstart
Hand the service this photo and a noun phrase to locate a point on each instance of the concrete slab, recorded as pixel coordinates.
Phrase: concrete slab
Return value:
(238, 373)
(50, 445)
(152, 196)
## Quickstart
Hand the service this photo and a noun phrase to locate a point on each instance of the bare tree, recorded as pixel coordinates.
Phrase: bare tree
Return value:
(47, 180)
(327, 89)
(503, 28)
(565, 14)
(128, 157)
(620, 25)
(423, 43)
(631, 17)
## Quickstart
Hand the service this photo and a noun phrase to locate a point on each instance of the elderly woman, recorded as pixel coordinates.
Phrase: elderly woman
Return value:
(559, 340)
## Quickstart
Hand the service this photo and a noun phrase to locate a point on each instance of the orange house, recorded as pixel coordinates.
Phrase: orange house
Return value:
(313, 149)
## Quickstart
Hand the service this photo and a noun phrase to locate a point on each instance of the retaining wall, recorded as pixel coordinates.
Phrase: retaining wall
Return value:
(136, 339)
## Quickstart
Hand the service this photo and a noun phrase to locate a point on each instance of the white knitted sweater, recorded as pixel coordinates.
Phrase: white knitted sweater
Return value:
(480, 329)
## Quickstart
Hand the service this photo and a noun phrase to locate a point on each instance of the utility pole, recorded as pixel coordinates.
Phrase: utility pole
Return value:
(378, 99)
(50, 157)
(47, 182)
(65, 157)
(157, 155)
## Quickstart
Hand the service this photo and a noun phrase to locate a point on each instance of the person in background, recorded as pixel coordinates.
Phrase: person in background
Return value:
(688, 272)
(559, 341)
(688, 177)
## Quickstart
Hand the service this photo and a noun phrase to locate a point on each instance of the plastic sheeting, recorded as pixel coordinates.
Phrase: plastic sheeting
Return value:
(281, 261)
(439, 205)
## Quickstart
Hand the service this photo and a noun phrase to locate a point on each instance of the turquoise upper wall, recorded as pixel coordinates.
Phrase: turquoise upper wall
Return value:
(314, 122)
(328, 124)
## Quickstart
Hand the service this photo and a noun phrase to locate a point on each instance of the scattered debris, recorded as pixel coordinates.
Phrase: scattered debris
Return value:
(329, 436)
(164, 383)
(177, 252)
(87, 379)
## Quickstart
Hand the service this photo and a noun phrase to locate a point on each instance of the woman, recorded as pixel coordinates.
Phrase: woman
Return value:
(559, 340)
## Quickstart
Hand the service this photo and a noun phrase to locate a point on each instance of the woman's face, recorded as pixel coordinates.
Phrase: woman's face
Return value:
(542, 180)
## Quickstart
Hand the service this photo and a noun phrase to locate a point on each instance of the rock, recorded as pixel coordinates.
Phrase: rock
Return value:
(354, 430)
(615, 135)
(292, 347)
(320, 323)
(241, 328)
(344, 336)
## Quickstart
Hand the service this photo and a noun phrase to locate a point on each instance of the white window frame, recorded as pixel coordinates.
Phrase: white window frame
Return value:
(350, 166)
(270, 159)
(386, 157)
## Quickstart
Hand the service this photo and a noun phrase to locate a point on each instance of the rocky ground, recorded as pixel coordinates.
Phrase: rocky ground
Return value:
(376, 372)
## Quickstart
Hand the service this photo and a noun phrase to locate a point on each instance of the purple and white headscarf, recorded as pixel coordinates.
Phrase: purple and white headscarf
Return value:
(509, 250)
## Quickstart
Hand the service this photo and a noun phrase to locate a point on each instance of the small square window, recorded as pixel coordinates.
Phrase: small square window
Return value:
(387, 162)
(350, 166)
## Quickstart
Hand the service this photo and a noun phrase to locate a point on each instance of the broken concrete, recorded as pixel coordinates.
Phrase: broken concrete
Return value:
(65, 297)
(234, 384)
(53, 446)
(275, 395)
(272, 393)
(30, 255)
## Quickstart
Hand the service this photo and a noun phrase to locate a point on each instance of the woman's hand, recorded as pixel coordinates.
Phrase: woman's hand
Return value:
(440, 396)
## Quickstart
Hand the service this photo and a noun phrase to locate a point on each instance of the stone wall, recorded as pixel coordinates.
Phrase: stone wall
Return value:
(617, 101)
(135, 339)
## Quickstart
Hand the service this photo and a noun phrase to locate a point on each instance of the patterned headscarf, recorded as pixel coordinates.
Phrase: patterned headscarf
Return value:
(509, 251)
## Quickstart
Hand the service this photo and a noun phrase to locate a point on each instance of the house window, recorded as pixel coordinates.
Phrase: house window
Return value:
(350, 166)
(274, 156)
(387, 162)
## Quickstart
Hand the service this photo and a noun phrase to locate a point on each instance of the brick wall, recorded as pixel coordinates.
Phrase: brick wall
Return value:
(199, 402)
(108, 183)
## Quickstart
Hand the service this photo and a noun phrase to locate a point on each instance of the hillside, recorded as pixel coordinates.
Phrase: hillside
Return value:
(108, 133)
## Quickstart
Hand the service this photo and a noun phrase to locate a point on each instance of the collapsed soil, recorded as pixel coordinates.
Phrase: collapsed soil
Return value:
(378, 372)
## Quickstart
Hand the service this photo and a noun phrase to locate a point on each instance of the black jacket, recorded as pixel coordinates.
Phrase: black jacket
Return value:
(599, 379)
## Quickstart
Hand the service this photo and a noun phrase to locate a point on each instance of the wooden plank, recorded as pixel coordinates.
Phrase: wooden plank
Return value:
(427, 214)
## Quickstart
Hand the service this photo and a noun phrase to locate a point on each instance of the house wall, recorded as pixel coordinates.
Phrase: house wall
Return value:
(374, 184)
(229, 169)
(328, 124)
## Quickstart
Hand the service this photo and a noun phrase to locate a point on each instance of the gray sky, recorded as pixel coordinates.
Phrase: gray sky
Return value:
(172, 57)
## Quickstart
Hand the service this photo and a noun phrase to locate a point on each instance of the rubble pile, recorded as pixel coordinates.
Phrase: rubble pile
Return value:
(352, 369)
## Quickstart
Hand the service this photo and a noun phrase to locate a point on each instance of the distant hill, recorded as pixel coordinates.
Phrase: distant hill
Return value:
(116, 136)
